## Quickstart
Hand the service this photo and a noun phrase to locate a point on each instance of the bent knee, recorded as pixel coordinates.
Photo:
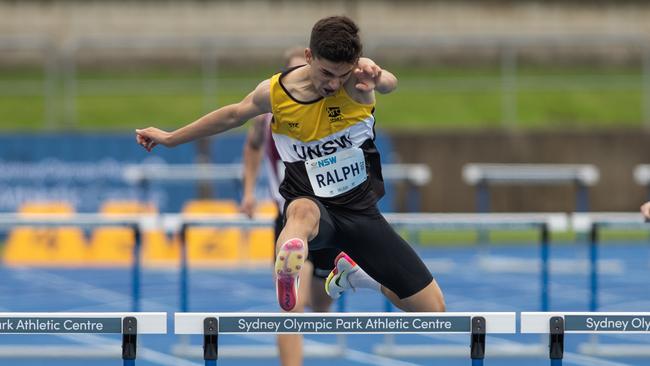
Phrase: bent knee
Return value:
(429, 299)
(303, 208)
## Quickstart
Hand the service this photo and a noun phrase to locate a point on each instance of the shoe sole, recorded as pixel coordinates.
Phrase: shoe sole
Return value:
(329, 279)
(288, 263)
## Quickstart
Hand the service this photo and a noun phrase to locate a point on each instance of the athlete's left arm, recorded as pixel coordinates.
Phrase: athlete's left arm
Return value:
(372, 77)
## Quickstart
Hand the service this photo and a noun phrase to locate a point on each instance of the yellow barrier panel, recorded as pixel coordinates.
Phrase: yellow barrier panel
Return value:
(210, 246)
(34, 246)
(261, 241)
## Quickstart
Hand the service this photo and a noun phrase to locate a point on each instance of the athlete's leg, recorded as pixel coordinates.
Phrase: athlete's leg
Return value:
(322, 261)
(320, 302)
(290, 345)
(387, 258)
(301, 226)
(301, 221)
(428, 299)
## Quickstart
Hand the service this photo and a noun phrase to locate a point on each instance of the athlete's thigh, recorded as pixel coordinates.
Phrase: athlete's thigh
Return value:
(326, 227)
(384, 255)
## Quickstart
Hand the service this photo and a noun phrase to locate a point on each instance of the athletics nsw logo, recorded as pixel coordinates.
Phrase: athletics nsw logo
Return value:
(334, 113)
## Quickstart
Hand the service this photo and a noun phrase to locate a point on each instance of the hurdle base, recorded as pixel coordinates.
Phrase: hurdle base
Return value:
(258, 351)
(614, 350)
(432, 351)
(59, 351)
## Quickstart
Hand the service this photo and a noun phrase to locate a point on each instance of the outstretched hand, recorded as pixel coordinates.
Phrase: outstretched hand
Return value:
(150, 137)
(367, 74)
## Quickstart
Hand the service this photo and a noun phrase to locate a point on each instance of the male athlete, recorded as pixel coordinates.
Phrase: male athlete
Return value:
(323, 128)
(311, 290)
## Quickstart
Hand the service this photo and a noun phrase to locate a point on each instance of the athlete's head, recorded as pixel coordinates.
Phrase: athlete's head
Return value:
(334, 49)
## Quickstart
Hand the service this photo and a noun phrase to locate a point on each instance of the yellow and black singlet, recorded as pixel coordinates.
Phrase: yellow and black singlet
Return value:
(327, 146)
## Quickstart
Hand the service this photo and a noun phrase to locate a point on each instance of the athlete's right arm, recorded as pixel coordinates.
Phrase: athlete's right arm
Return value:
(223, 119)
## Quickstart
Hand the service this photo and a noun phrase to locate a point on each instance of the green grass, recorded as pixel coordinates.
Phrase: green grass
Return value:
(459, 98)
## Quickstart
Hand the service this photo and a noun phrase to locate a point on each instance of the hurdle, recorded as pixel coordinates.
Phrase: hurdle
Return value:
(414, 175)
(593, 223)
(180, 224)
(483, 175)
(135, 222)
(558, 324)
(210, 325)
(544, 223)
(127, 324)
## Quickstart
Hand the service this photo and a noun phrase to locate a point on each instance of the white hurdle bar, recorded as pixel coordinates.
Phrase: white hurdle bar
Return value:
(476, 324)
(557, 324)
(481, 175)
(593, 223)
(127, 324)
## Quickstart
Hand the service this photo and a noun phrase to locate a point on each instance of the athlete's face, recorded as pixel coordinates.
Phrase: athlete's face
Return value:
(327, 76)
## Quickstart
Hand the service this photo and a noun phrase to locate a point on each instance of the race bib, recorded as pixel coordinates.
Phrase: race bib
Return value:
(337, 173)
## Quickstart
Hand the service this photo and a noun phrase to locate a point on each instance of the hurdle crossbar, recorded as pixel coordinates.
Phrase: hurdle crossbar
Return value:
(414, 175)
(9, 220)
(590, 323)
(127, 324)
(477, 324)
(417, 174)
(475, 173)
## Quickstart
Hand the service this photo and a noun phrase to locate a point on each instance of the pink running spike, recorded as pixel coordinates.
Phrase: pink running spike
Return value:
(287, 266)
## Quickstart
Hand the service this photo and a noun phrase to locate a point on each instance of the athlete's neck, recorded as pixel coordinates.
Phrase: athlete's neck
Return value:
(299, 84)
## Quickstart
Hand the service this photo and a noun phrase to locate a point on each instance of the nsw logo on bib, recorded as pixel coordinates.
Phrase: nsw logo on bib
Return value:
(337, 173)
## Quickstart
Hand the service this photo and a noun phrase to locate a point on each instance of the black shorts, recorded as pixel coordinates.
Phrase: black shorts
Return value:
(371, 241)
(322, 260)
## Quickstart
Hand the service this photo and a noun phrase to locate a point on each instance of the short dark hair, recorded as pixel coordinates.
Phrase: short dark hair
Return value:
(336, 39)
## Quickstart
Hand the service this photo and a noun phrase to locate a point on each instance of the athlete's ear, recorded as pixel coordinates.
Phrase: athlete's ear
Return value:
(308, 55)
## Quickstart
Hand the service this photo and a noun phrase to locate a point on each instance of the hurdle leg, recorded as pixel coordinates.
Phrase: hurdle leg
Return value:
(477, 351)
(136, 268)
(556, 340)
(129, 340)
(184, 340)
(593, 276)
(210, 341)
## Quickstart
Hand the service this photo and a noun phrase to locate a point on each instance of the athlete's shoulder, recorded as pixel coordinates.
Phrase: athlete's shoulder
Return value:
(262, 95)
